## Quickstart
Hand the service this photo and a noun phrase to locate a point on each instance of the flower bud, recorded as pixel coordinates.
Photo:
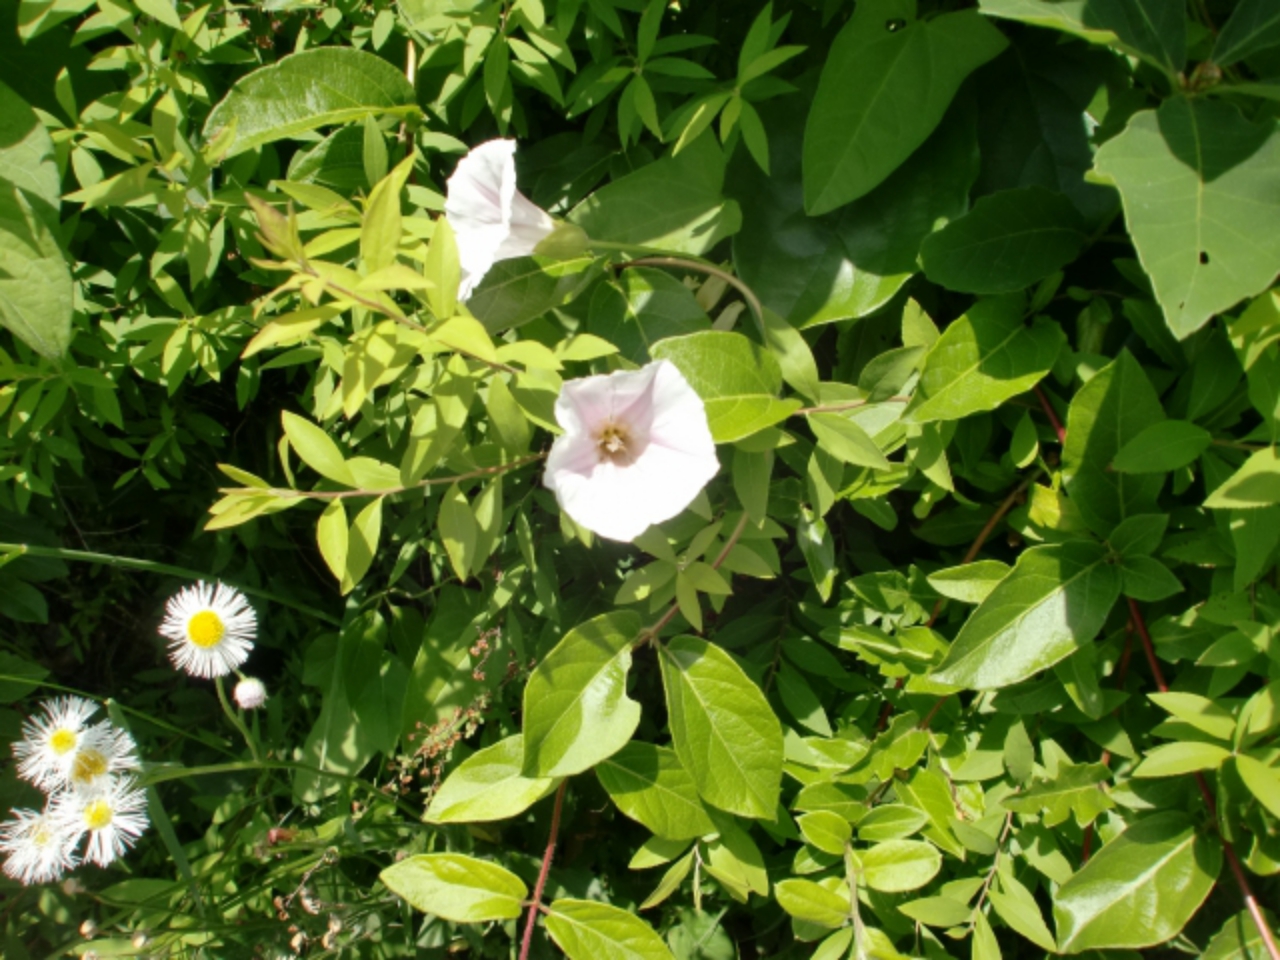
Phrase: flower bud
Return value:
(250, 694)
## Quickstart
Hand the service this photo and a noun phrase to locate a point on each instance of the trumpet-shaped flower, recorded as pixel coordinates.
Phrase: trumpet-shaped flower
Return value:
(249, 694)
(37, 848)
(636, 450)
(210, 631)
(53, 739)
(491, 219)
(113, 819)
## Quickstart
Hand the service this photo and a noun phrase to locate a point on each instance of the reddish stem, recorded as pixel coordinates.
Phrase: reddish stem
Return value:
(532, 919)
(1052, 414)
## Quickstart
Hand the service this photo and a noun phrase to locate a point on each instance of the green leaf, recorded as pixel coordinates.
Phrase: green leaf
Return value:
(1075, 790)
(846, 441)
(315, 88)
(380, 231)
(982, 359)
(882, 93)
(1065, 15)
(316, 449)
(1154, 29)
(20, 676)
(1140, 889)
(488, 786)
(891, 821)
(800, 700)
(736, 379)
(1054, 601)
(1256, 484)
(1197, 711)
(1176, 759)
(827, 831)
(1188, 205)
(1139, 535)
(723, 729)
(458, 531)
(1008, 241)
(331, 537)
(586, 930)
(641, 307)
(1148, 580)
(675, 203)
(1254, 25)
(516, 291)
(812, 903)
(937, 911)
(36, 291)
(970, 582)
(443, 269)
(576, 708)
(1018, 908)
(1239, 939)
(458, 888)
(897, 866)
(648, 784)
(1115, 406)
(1162, 448)
(1263, 782)
(26, 152)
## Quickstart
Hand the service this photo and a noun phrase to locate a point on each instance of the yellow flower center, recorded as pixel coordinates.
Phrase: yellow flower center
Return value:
(612, 444)
(63, 741)
(88, 766)
(42, 836)
(206, 629)
(97, 814)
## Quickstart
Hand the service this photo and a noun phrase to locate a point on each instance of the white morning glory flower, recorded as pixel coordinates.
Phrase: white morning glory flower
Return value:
(636, 450)
(249, 694)
(491, 219)
(210, 630)
(113, 819)
(37, 848)
(51, 740)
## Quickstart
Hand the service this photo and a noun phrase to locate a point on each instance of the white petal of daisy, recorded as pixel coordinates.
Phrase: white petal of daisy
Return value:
(37, 848)
(635, 451)
(113, 820)
(50, 739)
(210, 630)
(490, 218)
(249, 694)
(105, 751)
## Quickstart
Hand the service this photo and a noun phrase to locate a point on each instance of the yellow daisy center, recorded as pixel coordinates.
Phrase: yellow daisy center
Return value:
(97, 814)
(206, 629)
(42, 836)
(63, 741)
(88, 766)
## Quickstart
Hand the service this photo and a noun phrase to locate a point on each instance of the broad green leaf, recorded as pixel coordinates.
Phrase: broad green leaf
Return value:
(1254, 25)
(1176, 759)
(26, 152)
(1115, 406)
(332, 536)
(897, 866)
(458, 888)
(1156, 30)
(882, 93)
(937, 911)
(1008, 241)
(1017, 907)
(891, 821)
(648, 784)
(736, 379)
(982, 359)
(1239, 939)
(457, 526)
(641, 307)
(576, 708)
(1263, 781)
(1162, 448)
(1197, 711)
(1147, 579)
(316, 449)
(723, 729)
(488, 786)
(675, 203)
(800, 700)
(320, 87)
(1256, 484)
(827, 831)
(1053, 602)
(970, 582)
(1075, 790)
(1065, 15)
(362, 544)
(516, 291)
(1187, 206)
(380, 232)
(845, 440)
(1140, 889)
(1139, 535)
(586, 930)
(443, 269)
(36, 291)
(812, 903)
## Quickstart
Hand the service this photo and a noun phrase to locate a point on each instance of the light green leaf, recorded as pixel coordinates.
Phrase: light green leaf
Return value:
(1239, 939)
(1018, 908)
(1176, 759)
(1254, 25)
(1263, 781)
(982, 359)
(1187, 207)
(516, 291)
(380, 231)
(1065, 15)
(1162, 447)
(36, 292)
(362, 544)
(320, 87)
(443, 269)
(316, 449)
(586, 930)
(937, 911)
(846, 441)
(891, 821)
(1075, 790)
(26, 152)
(458, 888)
(812, 903)
(882, 92)
(1054, 601)
(331, 536)
(722, 727)
(827, 831)
(576, 708)
(1256, 484)
(1197, 711)
(897, 866)
(648, 784)
(1140, 889)
(736, 379)
(457, 526)
(969, 582)
(488, 786)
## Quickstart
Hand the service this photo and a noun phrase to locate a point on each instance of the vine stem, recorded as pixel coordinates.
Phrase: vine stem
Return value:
(535, 905)
(1052, 414)
(1233, 861)
(289, 493)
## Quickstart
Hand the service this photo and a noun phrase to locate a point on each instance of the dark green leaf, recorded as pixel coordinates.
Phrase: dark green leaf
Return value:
(1254, 25)
(641, 307)
(516, 291)
(36, 292)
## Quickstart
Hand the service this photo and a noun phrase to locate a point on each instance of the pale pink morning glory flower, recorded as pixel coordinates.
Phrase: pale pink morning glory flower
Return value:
(491, 219)
(636, 450)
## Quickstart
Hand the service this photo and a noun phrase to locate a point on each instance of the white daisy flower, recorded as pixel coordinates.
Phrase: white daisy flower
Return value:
(105, 751)
(249, 694)
(51, 740)
(210, 630)
(491, 219)
(636, 450)
(37, 848)
(113, 819)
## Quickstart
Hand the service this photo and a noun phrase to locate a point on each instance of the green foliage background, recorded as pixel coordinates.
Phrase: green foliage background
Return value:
(970, 650)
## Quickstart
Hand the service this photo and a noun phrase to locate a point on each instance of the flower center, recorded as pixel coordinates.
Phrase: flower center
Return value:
(41, 836)
(62, 741)
(206, 629)
(614, 443)
(89, 765)
(97, 814)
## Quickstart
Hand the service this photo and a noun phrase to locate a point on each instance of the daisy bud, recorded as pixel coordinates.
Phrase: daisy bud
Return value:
(249, 694)
(210, 629)
(636, 449)
(491, 219)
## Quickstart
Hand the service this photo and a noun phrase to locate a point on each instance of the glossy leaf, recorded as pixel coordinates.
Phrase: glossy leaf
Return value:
(456, 887)
(1256, 484)
(487, 786)
(897, 866)
(586, 930)
(808, 901)
(649, 785)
